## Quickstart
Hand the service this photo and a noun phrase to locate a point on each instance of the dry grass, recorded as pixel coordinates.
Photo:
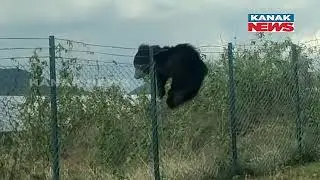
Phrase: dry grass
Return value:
(196, 168)
(106, 137)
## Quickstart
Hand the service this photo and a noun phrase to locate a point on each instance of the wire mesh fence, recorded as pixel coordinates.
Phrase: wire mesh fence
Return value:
(25, 146)
(74, 110)
(274, 105)
(265, 107)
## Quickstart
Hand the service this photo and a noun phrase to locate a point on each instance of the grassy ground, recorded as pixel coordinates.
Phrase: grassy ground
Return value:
(307, 172)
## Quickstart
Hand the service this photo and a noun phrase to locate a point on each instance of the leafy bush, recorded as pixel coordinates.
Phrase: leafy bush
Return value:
(104, 134)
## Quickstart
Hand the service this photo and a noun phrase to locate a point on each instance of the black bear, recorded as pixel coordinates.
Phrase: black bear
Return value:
(182, 63)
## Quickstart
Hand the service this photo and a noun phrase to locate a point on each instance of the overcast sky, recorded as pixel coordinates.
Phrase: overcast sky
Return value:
(132, 22)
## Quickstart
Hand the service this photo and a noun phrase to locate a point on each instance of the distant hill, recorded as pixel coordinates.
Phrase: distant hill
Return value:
(13, 82)
(16, 82)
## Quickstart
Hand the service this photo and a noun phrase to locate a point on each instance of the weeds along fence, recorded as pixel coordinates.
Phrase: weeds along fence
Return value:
(276, 102)
(74, 110)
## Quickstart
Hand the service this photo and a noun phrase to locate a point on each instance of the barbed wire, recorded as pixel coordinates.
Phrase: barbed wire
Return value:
(212, 46)
(103, 53)
(309, 41)
(21, 57)
(23, 48)
(129, 48)
(23, 38)
(123, 47)
(212, 52)
(126, 55)
(93, 60)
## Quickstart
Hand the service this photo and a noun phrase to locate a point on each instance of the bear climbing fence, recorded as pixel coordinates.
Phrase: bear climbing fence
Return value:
(73, 109)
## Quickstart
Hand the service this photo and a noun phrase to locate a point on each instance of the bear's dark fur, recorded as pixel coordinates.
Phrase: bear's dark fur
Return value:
(182, 63)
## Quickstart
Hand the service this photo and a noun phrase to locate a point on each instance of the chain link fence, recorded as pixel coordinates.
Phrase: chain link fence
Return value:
(73, 110)
(276, 97)
(25, 150)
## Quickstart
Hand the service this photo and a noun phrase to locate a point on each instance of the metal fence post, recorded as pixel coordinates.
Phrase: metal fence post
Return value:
(155, 138)
(297, 98)
(54, 119)
(232, 118)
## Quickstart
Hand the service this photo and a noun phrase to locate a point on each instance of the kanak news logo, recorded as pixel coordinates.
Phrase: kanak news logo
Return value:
(271, 22)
